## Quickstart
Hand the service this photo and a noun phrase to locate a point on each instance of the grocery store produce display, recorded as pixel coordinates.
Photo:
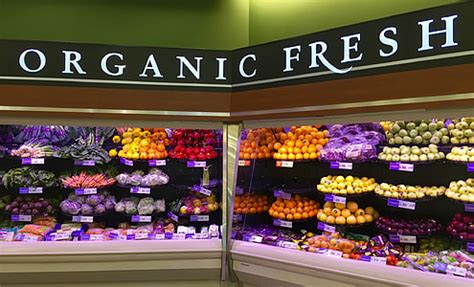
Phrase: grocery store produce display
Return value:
(63, 183)
(397, 193)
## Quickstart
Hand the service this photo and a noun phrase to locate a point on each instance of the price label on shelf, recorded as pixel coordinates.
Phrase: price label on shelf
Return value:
(470, 167)
(396, 238)
(256, 238)
(21, 217)
(469, 207)
(283, 223)
(173, 216)
(374, 259)
(199, 218)
(80, 218)
(32, 161)
(282, 194)
(86, 191)
(237, 217)
(157, 162)
(140, 190)
(288, 244)
(408, 167)
(205, 191)
(340, 165)
(401, 204)
(126, 162)
(335, 198)
(141, 235)
(84, 163)
(454, 270)
(141, 218)
(192, 164)
(470, 246)
(31, 190)
(239, 190)
(333, 253)
(92, 237)
(244, 162)
(284, 163)
(326, 227)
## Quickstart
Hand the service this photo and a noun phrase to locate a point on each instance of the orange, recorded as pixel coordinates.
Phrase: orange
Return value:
(284, 156)
(299, 144)
(319, 147)
(322, 141)
(290, 150)
(311, 149)
(246, 155)
(305, 215)
(282, 150)
(291, 143)
(289, 217)
(253, 155)
(291, 156)
(253, 210)
(297, 216)
(306, 156)
(314, 141)
(313, 155)
(276, 156)
(296, 150)
(260, 155)
(241, 155)
(286, 210)
(281, 216)
(268, 155)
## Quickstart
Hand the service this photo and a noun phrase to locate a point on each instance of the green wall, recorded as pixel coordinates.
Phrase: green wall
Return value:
(206, 24)
(278, 19)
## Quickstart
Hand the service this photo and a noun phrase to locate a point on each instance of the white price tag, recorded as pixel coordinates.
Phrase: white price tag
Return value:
(141, 235)
(283, 223)
(21, 217)
(141, 218)
(407, 204)
(256, 238)
(157, 162)
(196, 164)
(407, 239)
(244, 162)
(335, 198)
(341, 165)
(453, 270)
(288, 244)
(284, 163)
(86, 191)
(334, 253)
(205, 191)
(31, 190)
(79, 218)
(378, 260)
(27, 161)
(199, 218)
(140, 190)
(325, 227)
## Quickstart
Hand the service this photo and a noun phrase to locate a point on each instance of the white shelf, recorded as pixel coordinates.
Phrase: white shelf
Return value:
(262, 264)
(107, 261)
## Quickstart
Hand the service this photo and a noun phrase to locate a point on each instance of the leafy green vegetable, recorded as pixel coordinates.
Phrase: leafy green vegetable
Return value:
(28, 177)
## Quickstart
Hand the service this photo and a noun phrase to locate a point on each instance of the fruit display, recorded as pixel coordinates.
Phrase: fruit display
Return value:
(138, 143)
(28, 177)
(461, 154)
(193, 144)
(350, 214)
(258, 144)
(154, 177)
(462, 227)
(353, 142)
(300, 143)
(143, 206)
(93, 204)
(34, 149)
(82, 150)
(462, 190)
(414, 227)
(346, 185)
(250, 203)
(409, 192)
(461, 131)
(438, 262)
(333, 242)
(411, 154)
(30, 206)
(194, 204)
(85, 180)
(296, 208)
(418, 133)
(438, 244)
(377, 246)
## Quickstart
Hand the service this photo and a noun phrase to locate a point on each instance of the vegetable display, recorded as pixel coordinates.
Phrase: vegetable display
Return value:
(84, 180)
(143, 206)
(30, 206)
(34, 149)
(193, 144)
(28, 177)
(82, 150)
(140, 143)
(94, 204)
(154, 177)
(353, 142)
(55, 135)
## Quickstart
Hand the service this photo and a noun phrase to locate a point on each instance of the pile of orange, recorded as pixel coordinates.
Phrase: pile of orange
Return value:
(258, 144)
(300, 143)
(244, 204)
(296, 208)
(141, 143)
